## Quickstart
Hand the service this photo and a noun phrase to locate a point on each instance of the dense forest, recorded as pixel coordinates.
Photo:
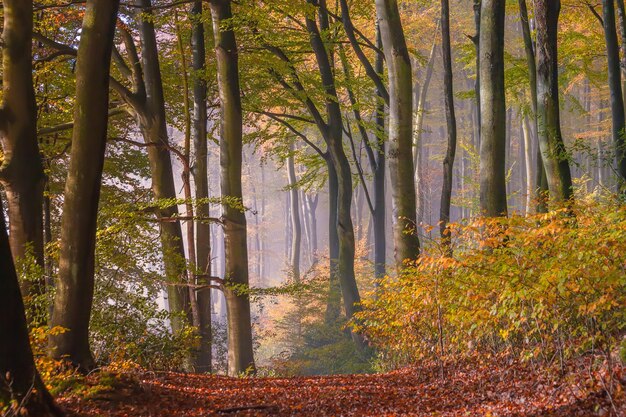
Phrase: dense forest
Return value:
(313, 207)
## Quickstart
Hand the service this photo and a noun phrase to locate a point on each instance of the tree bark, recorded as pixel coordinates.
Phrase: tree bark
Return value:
(407, 246)
(240, 352)
(296, 227)
(492, 109)
(74, 288)
(554, 155)
(200, 172)
(448, 162)
(541, 185)
(18, 375)
(615, 89)
(21, 171)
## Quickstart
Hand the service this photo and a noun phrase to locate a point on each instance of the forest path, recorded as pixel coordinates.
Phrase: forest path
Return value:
(468, 390)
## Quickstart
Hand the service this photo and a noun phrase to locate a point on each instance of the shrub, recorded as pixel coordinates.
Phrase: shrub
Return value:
(543, 287)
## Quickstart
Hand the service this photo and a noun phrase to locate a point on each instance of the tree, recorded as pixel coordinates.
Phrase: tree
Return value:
(21, 171)
(554, 155)
(406, 240)
(296, 228)
(615, 87)
(19, 380)
(492, 109)
(541, 185)
(240, 352)
(448, 162)
(75, 283)
(200, 171)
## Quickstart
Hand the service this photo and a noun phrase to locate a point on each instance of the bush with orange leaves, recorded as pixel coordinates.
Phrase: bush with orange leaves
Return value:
(543, 287)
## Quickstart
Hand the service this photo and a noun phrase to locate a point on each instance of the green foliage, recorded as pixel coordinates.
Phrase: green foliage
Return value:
(541, 287)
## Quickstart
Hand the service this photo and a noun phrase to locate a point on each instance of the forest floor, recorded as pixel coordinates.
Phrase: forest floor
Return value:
(473, 388)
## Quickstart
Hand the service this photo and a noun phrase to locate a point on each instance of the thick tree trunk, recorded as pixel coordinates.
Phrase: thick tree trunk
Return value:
(21, 171)
(406, 240)
(615, 88)
(200, 171)
(554, 155)
(492, 108)
(240, 352)
(75, 283)
(19, 380)
(448, 162)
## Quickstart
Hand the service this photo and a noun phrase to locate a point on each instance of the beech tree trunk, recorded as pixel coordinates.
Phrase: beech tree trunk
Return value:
(18, 375)
(554, 155)
(406, 240)
(240, 352)
(492, 109)
(21, 171)
(75, 283)
(541, 185)
(296, 227)
(448, 162)
(615, 88)
(200, 172)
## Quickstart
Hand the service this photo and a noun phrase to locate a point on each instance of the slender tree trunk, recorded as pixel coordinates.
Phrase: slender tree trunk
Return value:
(296, 228)
(615, 88)
(530, 176)
(200, 171)
(380, 208)
(420, 113)
(476, 39)
(20, 382)
(21, 171)
(406, 240)
(448, 162)
(333, 308)
(492, 109)
(240, 351)
(152, 122)
(74, 290)
(621, 11)
(554, 155)
(541, 185)
(186, 178)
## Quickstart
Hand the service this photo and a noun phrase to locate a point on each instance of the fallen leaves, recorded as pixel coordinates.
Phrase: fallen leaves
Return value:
(471, 388)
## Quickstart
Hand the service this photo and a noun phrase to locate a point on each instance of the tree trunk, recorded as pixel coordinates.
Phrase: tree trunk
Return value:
(18, 375)
(541, 185)
(75, 283)
(380, 208)
(296, 228)
(530, 176)
(406, 240)
(448, 162)
(492, 109)
(152, 122)
(200, 172)
(420, 113)
(615, 88)
(21, 171)
(240, 352)
(554, 155)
